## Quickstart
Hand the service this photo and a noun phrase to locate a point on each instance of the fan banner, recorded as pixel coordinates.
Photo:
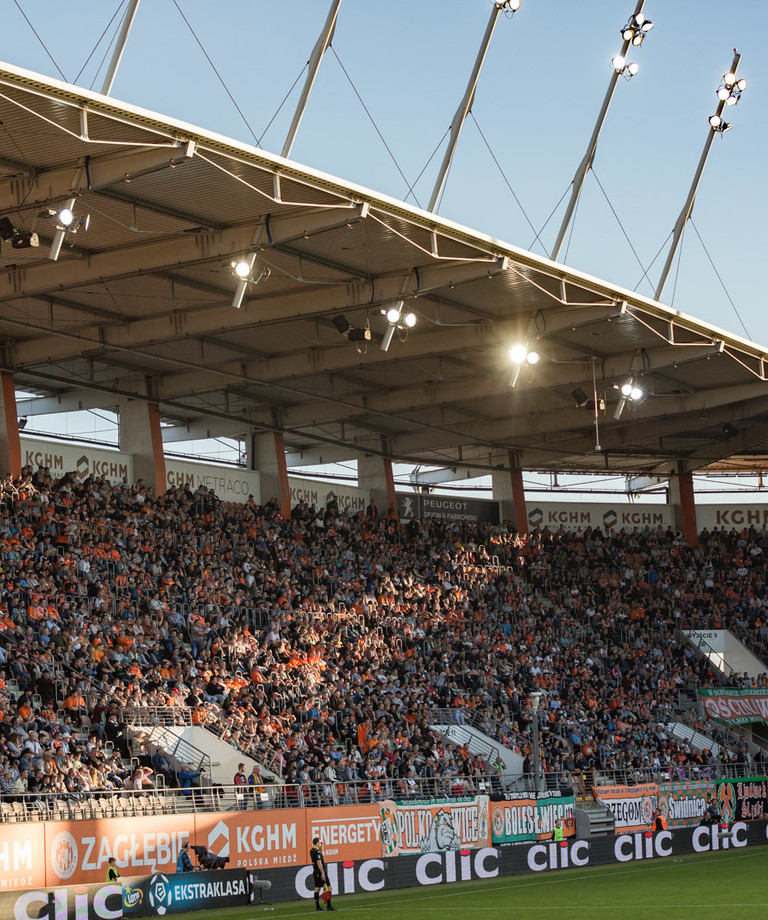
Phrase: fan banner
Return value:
(632, 806)
(528, 816)
(434, 827)
(683, 803)
(743, 799)
(735, 707)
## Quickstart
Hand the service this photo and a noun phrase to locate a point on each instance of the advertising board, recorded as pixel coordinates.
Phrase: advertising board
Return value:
(107, 901)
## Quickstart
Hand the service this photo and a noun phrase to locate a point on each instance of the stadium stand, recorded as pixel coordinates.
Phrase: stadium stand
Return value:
(324, 645)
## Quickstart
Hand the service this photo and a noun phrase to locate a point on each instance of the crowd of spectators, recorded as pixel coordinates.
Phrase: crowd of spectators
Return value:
(322, 645)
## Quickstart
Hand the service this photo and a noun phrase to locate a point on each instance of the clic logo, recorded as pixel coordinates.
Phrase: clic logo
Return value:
(345, 878)
(642, 846)
(558, 856)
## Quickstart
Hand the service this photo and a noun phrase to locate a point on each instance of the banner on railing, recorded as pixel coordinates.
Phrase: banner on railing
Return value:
(531, 816)
(632, 806)
(735, 707)
(683, 803)
(744, 799)
(434, 826)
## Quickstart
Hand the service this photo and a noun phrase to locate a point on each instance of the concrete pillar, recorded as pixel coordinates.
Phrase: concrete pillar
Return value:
(140, 435)
(10, 443)
(267, 455)
(375, 474)
(682, 500)
(508, 489)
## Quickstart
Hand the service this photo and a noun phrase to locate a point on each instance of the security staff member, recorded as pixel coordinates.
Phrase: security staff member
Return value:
(659, 821)
(112, 874)
(319, 875)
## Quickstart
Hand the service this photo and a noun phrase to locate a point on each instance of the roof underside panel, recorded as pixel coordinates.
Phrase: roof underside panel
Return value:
(139, 304)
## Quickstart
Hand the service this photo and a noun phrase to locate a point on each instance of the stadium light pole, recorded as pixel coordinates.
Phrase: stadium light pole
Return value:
(716, 126)
(535, 702)
(586, 164)
(321, 46)
(117, 54)
(465, 106)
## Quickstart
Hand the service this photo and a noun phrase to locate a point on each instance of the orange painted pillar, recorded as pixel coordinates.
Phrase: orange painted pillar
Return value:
(10, 442)
(389, 476)
(687, 508)
(374, 474)
(158, 454)
(267, 457)
(518, 501)
(141, 436)
(282, 475)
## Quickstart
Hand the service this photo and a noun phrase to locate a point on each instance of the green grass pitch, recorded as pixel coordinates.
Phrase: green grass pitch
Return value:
(711, 886)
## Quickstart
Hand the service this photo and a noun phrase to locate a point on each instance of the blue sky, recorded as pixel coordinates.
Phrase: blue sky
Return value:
(538, 96)
(537, 100)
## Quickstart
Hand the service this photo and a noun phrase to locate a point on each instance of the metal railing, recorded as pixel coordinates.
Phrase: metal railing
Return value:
(156, 715)
(225, 798)
(501, 732)
(222, 798)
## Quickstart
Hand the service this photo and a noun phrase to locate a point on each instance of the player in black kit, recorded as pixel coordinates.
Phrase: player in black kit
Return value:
(319, 875)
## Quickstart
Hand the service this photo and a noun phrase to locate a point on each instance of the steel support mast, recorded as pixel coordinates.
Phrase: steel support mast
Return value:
(466, 103)
(117, 54)
(685, 214)
(586, 164)
(321, 46)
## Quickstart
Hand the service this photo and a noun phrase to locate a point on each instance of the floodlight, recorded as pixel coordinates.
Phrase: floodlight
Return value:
(636, 29)
(66, 222)
(241, 268)
(626, 390)
(518, 352)
(729, 79)
(741, 85)
(532, 357)
(635, 393)
(66, 217)
(632, 68)
(393, 314)
(410, 320)
(619, 62)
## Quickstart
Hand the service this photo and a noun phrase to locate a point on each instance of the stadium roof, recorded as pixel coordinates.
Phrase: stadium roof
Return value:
(140, 304)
